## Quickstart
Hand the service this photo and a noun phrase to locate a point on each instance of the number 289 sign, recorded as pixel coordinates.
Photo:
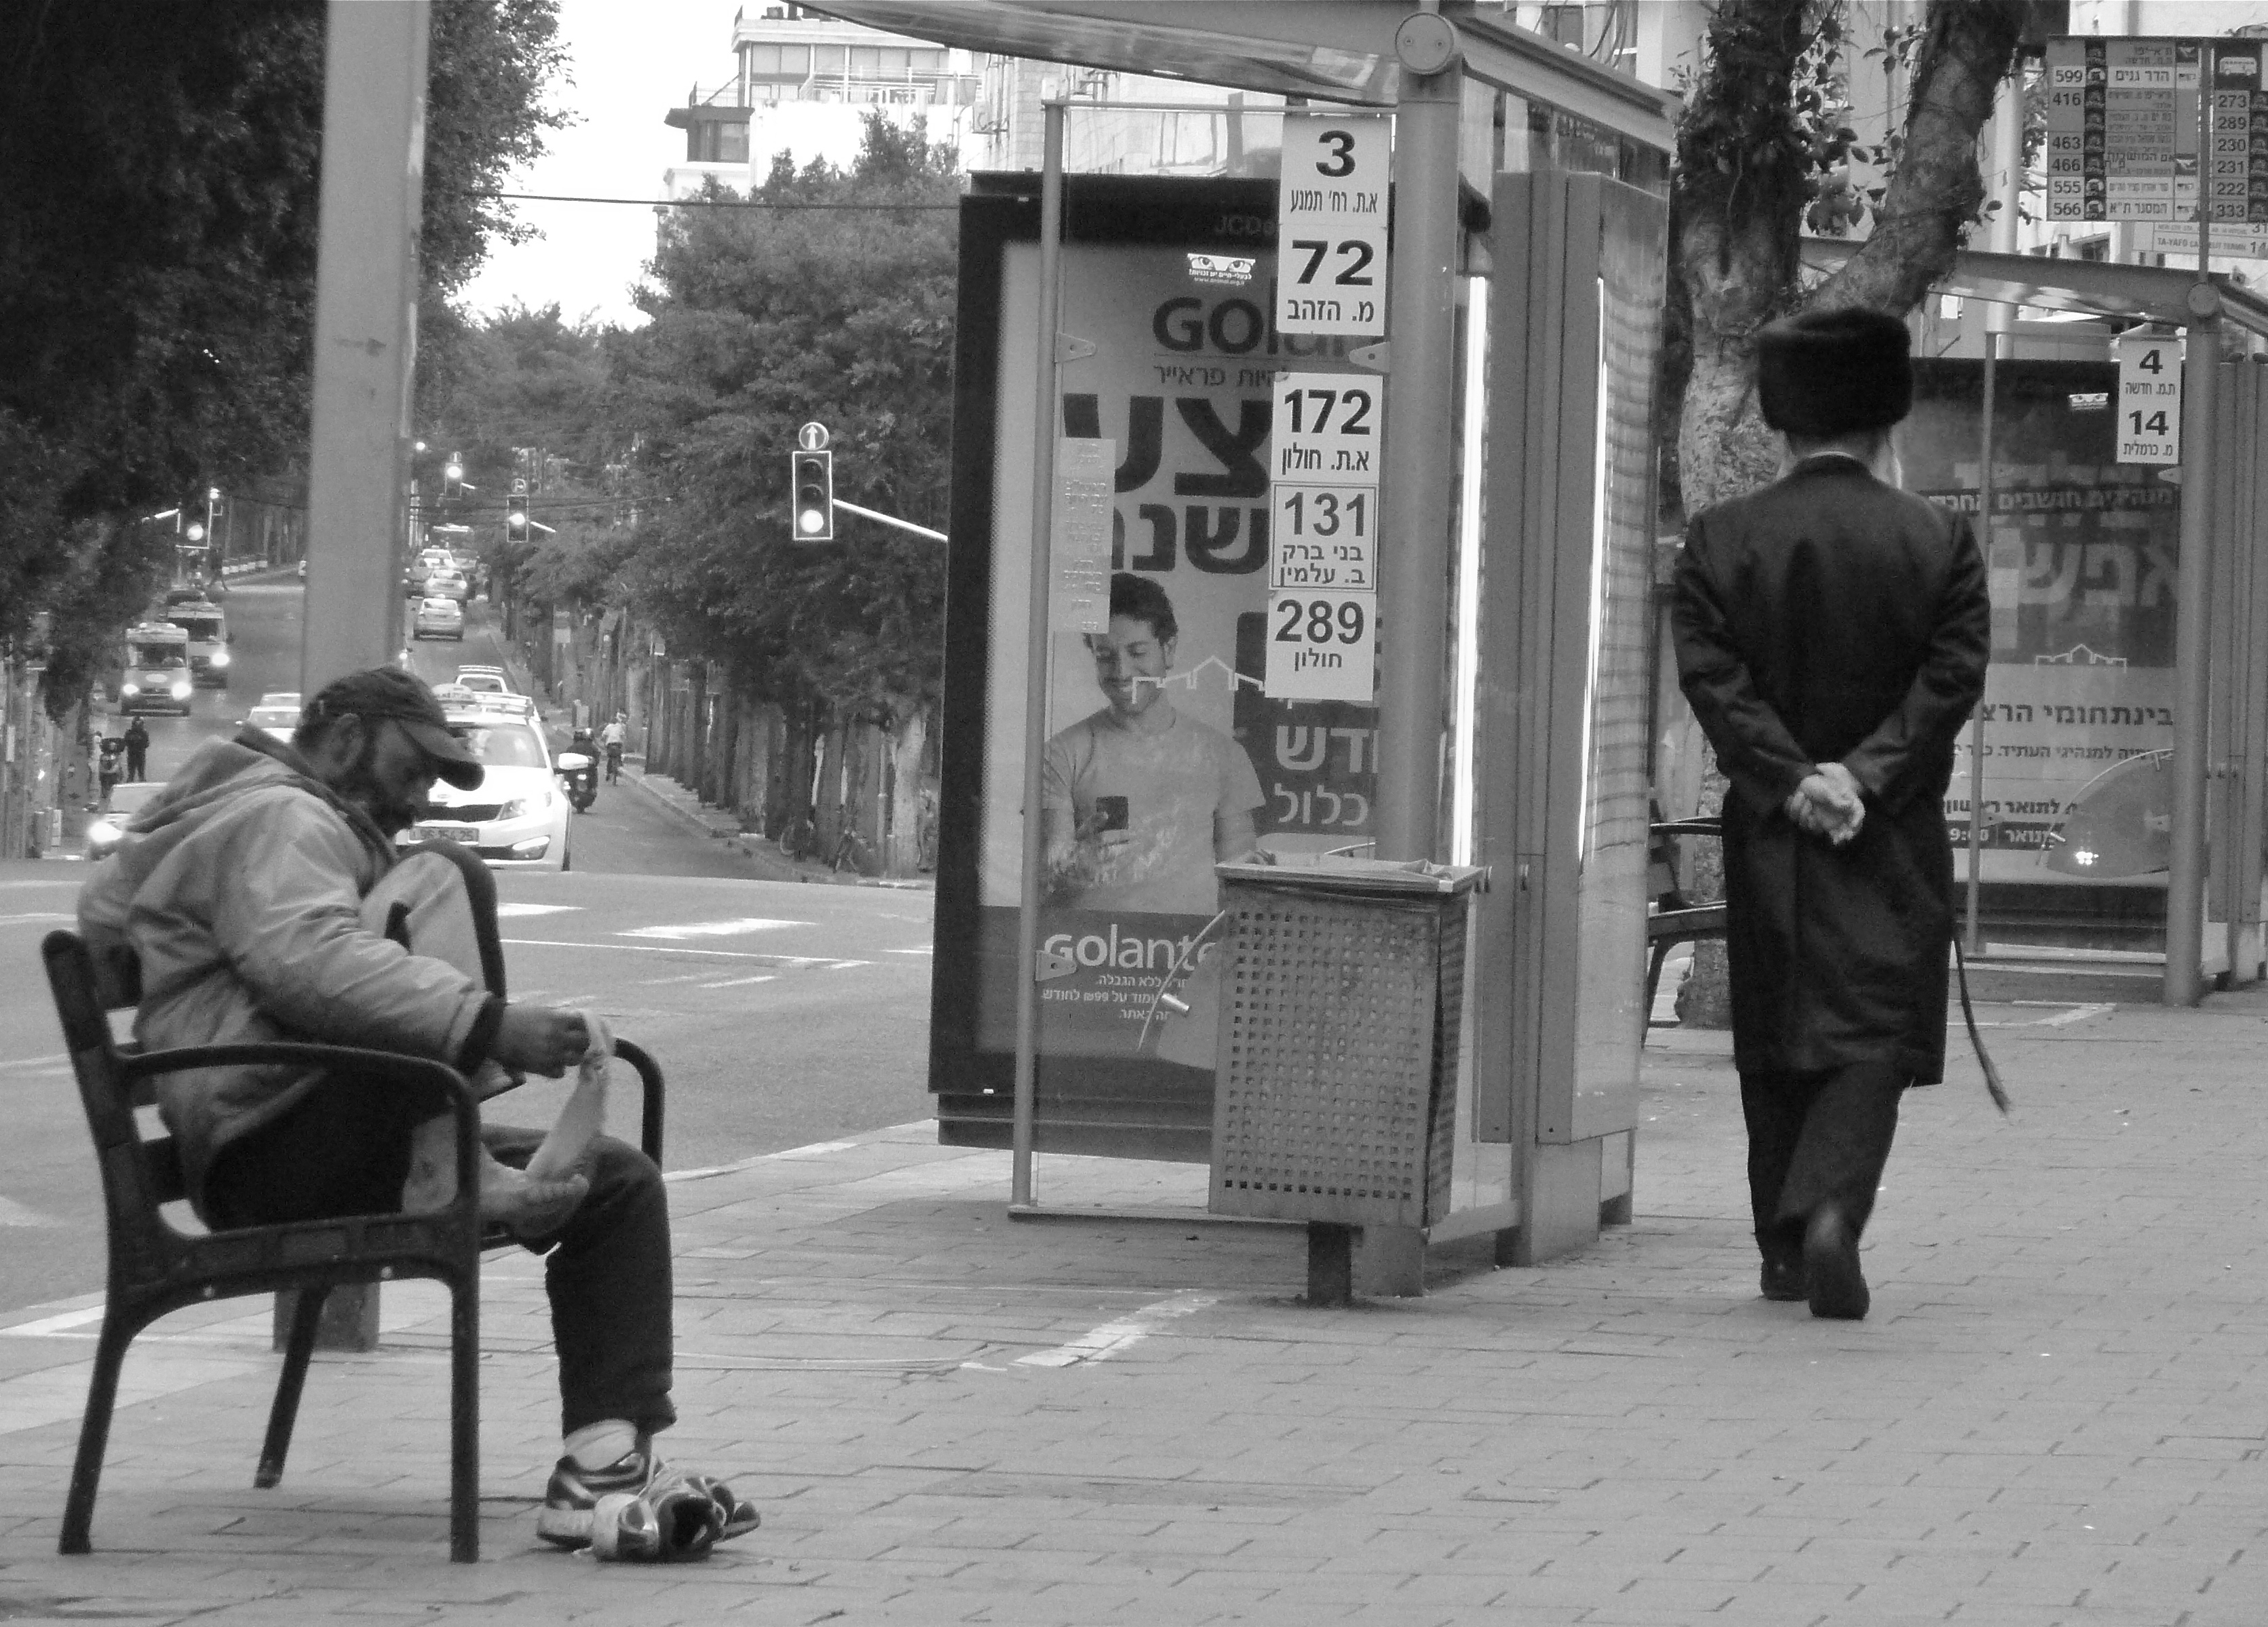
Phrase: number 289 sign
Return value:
(1330, 223)
(2149, 400)
(1322, 645)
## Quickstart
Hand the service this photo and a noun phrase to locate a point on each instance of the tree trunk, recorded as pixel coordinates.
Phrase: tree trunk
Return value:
(902, 855)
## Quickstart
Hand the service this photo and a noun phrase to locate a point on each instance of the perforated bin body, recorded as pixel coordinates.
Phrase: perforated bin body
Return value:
(1340, 1002)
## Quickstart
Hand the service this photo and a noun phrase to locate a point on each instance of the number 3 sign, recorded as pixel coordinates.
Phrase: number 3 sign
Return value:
(1331, 221)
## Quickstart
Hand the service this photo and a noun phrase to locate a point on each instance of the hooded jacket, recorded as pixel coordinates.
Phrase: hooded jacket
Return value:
(237, 896)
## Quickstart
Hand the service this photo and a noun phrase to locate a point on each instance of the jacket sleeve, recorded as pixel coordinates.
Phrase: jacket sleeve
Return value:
(290, 925)
(1754, 747)
(1899, 757)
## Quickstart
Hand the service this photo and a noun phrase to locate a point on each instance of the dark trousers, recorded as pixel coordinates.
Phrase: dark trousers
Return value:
(1816, 1138)
(344, 1149)
(134, 763)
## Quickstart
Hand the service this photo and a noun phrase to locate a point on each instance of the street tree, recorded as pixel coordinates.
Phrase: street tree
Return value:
(832, 303)
(159, 175)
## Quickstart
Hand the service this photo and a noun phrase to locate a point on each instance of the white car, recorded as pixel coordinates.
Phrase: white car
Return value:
(439, 618)
(484, 680)
(447, 585)
(276, 721)
(517, 818)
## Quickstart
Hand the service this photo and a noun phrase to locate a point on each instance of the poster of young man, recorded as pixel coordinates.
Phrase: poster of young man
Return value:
(1162, 756)
(2081, 552)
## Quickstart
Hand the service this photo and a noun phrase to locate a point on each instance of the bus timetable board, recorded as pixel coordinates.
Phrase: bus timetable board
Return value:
(2121, 130)
(1172, 281)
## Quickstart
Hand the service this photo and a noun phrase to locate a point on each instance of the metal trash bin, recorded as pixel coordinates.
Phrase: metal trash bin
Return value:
(1342, 989)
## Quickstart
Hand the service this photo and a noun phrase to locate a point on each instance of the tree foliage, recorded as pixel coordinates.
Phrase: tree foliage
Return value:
(765, 319)
(159, 166)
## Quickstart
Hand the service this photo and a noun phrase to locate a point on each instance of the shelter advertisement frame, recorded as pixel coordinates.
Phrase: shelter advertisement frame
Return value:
(1171, 360)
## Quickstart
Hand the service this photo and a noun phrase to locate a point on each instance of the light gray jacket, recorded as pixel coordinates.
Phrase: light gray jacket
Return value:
(239, 891)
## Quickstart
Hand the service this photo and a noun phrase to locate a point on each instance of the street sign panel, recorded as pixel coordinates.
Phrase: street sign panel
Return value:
(2149, 400)
(1324, 536)
(1327, 426)
(1330, 222)
(812, 437)
(1322, 645)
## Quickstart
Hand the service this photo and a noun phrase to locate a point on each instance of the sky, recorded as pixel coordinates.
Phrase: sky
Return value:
(629, 62)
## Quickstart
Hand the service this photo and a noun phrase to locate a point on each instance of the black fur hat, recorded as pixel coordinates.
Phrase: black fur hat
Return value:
(1824, 373)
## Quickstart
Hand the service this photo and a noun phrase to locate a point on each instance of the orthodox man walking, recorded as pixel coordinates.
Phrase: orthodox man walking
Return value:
(1832, 633)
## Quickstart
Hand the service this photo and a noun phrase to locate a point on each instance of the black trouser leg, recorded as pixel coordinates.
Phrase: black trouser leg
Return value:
(1853, 1118)
(608, 1273)
(344, 1150)
(1774, 1105)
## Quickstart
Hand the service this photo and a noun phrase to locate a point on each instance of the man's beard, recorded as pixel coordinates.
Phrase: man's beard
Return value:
(360, 787)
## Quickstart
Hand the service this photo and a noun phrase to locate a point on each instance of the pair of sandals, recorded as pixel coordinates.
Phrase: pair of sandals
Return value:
(675, 1519)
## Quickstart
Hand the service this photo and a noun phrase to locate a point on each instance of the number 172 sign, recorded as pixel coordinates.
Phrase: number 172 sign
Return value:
(2149, 400)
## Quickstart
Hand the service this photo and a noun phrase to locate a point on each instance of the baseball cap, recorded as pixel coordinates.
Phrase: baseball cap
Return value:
(389, 692)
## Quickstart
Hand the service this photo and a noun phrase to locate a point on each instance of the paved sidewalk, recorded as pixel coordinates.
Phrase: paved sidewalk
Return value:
(2055, 1415)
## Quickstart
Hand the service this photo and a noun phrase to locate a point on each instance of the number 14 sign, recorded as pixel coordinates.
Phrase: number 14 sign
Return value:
(2149, 400)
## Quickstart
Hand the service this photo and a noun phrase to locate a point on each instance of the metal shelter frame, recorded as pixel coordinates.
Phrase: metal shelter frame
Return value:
(2199, 302)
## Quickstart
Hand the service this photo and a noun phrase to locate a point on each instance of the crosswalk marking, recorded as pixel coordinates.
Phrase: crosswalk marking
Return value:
(710, 929)
(13, 1213)
(924, 949)
(506, 911)
(734, 982)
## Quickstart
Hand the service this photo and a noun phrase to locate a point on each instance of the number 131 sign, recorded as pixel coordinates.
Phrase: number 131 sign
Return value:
(1330, 223)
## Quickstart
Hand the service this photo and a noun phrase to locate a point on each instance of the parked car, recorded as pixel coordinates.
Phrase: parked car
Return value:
(439, 618)
(420, 569)
(126, 800)
(484, 680)
(276, 722)
(517, 818)
(155, 675)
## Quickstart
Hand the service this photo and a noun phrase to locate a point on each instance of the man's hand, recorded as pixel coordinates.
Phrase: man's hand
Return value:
(541, 1039)
(1829, 804)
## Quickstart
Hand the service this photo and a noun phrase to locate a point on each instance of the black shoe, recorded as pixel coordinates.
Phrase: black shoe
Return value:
(1784, 1278)
(1830, 1266)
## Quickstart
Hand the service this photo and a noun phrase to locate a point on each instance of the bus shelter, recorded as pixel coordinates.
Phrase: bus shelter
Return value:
(1125, 405)
(2120, 756)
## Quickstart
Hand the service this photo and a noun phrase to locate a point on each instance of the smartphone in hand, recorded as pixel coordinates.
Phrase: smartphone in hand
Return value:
(1110, 813)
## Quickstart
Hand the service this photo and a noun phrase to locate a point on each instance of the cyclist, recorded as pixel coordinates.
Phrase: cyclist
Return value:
(611, 738)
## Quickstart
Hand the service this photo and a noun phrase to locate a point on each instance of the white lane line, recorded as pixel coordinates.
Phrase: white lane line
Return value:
(924, 949)
(844, 966)
(505, 912)
(2064, 1015)
(677, 977)
(34, 1061)
(814, 1149)
(13, 1213)
(564, 943)
(39, 918)
(735, 982)
(712, 928)
(49, 1327)
(1116, 1338)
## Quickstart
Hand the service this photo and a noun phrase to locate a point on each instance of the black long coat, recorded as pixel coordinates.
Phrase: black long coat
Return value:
(1829, 617)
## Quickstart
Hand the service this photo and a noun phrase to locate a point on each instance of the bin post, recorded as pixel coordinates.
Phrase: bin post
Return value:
(2192, 661)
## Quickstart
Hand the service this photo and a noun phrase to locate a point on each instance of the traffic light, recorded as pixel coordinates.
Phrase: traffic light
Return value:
(812, 480)
(515, 526)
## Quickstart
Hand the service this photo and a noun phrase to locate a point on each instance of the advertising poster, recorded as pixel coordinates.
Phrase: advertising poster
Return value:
(1163, 754)
(2080, 553)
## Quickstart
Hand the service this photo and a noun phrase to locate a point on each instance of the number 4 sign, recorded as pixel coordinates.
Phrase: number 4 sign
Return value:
(1330, 224)
(2149, 400)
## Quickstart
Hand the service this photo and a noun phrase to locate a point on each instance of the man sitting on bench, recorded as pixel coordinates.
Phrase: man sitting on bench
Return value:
(250, 902)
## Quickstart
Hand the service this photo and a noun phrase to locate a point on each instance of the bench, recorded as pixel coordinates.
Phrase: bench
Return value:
(156, 1267)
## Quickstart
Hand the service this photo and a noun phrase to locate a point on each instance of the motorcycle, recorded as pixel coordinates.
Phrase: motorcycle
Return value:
(581, 773)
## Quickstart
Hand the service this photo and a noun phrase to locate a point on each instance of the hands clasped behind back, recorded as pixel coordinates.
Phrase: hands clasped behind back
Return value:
(1829, 804)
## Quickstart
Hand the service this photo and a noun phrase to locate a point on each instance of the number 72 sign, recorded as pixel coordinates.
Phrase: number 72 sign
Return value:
(1330, 225)
(2149, 400)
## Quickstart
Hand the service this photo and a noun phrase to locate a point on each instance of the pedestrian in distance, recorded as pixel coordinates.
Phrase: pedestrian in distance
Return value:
(110, 751)
(255, 900)
(1832, 634)
(137, 750)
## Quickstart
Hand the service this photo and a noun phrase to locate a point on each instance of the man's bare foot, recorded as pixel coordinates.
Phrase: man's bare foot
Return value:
(527, 1205)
